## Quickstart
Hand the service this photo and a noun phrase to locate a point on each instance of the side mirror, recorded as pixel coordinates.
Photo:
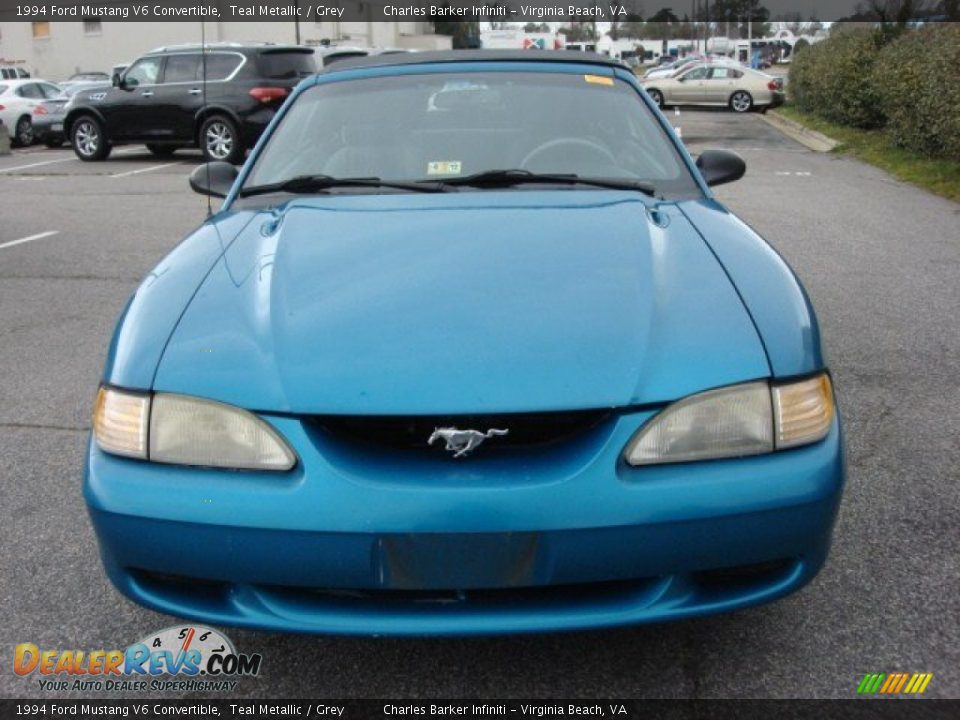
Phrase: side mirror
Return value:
(720, 166)
(214, 179)
(115, 80)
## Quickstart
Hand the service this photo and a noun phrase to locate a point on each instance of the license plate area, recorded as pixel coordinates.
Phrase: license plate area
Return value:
(458, 561)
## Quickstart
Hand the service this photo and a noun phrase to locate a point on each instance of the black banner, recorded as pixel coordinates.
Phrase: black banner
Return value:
(562, 11)
(398, 709)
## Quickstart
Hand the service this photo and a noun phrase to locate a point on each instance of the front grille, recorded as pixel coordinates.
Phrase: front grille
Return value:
(526, 430)
(566, 593)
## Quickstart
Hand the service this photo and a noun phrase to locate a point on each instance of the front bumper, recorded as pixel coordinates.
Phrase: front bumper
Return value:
(350, 543)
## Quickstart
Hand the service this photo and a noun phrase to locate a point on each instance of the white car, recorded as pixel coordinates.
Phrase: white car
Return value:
(19, 100)
(688, 62)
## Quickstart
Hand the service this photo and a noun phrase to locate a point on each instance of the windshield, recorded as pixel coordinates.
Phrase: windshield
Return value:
(444, 126)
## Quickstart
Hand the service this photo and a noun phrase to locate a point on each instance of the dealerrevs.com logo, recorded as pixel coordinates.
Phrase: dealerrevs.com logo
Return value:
(199, 658)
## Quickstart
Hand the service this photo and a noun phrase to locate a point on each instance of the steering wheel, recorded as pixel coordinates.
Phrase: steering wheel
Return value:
(571, 142)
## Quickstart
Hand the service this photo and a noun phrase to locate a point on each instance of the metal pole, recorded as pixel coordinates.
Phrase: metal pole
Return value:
(296, 23)
(706, 29)
(693, 21)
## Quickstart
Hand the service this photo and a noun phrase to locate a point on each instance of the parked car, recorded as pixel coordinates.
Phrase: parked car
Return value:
(739, 88)
(685, 63)
(13, 72)
(162, 101)
(84, 80)
(665, 69)
(49, 115)
(18, 100)
(503, 365)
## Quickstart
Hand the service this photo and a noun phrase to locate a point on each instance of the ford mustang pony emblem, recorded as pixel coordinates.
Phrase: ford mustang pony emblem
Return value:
(461, 442)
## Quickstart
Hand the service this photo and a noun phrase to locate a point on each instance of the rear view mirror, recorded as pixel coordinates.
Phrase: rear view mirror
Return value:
(720, 166)
(115, 79)
(214, 179)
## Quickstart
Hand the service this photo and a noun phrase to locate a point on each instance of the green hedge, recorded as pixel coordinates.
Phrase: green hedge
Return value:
(831, 79)
(918, 79)
(907, 82)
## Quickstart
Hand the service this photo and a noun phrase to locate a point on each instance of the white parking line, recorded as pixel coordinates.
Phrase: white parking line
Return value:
(144, 170)
(38, 236)
(37, 164)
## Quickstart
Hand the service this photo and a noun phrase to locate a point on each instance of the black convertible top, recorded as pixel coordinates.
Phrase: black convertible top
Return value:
(454, 56)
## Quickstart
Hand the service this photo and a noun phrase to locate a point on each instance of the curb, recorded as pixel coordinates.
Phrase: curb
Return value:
(805, 136)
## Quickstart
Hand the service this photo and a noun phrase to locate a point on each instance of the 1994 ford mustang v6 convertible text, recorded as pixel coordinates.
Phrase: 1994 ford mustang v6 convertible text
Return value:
(470, 347)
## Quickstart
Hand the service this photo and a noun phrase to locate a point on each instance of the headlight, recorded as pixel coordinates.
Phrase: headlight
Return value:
(186, 431)
(736, 421)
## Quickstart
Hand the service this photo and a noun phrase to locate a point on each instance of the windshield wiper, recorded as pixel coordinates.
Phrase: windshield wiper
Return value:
(506, 178)
(316, 183)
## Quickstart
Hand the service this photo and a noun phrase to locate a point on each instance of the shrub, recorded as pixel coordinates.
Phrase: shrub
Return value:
(832, 79)
(917, 78)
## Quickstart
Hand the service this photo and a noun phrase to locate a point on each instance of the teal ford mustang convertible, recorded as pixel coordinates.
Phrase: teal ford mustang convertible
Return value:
(470, 347)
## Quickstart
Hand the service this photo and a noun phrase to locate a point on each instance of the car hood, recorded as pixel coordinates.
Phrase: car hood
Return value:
(474, 302)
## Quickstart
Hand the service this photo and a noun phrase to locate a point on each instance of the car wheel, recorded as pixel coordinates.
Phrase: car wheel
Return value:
(657, 97)
(741, 101)
(161, 150)
(89, 141)
(220, 140)
(23, 133)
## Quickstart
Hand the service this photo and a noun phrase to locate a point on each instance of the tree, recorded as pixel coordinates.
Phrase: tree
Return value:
(633, 16)
(738, 12)
(685, 29)
(792, 21)
(890, 13)
(630, 29)
(532, 27)
(663, 15)
(579, 31)
(951, 8)
(464, 34)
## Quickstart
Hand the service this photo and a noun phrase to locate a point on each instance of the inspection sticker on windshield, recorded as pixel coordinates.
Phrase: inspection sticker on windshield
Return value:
(444, 167)
(598, 79)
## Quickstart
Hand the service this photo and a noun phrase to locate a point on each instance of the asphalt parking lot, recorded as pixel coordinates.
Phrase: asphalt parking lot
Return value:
(881, 261)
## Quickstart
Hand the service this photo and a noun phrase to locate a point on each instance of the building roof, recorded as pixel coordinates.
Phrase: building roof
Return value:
(455, 56)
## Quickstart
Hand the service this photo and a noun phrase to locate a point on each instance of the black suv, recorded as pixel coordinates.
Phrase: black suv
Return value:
(161, 100)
